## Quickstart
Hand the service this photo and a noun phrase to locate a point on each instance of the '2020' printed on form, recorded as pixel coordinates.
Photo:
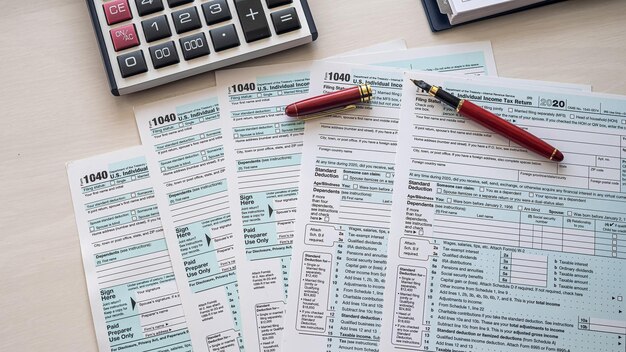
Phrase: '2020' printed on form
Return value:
(496, 248)
(343, 218)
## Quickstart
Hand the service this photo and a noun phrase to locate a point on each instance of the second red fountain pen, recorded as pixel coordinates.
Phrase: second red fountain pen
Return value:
(493, 122)
(344, 99)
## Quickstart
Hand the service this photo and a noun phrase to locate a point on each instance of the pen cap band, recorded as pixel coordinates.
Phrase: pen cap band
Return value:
(337, 99)
(445, 97)
(366, 92)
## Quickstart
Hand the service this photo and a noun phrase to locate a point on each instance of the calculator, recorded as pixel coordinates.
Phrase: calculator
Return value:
(146, 43)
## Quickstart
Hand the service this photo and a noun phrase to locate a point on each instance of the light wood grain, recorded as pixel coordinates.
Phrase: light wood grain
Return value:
(56, 107)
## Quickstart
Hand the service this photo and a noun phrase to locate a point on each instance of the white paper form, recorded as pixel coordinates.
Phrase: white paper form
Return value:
(466, 64)
(134, 298)
(471, 62)
(183, 140)
(184, 148)
(392, 45)
(263, 148)
(494, 248)
(340, 236)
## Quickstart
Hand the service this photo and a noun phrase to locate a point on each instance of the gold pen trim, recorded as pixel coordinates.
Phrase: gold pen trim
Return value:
(458, 107)
(553, 153)
(366, 93)
(327, 113)
(433, 90)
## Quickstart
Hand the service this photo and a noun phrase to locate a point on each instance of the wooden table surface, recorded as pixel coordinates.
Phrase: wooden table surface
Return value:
(57, 108)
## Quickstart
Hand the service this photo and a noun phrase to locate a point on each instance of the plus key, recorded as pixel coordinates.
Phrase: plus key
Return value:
(253, 19)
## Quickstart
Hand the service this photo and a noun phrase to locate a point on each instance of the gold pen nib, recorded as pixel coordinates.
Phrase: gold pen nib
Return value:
(422, 85)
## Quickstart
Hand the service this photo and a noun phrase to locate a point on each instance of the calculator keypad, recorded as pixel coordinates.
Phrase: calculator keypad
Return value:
(224, 37)
(156, 28)
(174, 3)
(285, 20)
(149, 35)
(194, 46)
(186, 20)
(132, 63)
(252, 19)
(274, 3)
(117, 11)
(148, 7)
(216, 11)
(163, 55)
(124, 37)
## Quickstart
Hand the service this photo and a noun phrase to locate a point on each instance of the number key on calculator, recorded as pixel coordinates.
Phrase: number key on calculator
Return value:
(146, 43)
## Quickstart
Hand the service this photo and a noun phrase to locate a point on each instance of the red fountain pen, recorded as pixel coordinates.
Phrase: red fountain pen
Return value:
(344, 99)
(492, 122)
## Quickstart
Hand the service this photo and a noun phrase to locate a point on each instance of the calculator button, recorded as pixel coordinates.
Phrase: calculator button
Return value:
(146, 7)
(252, 18)
(224, 37)
(186, 20)
(286, 20)
(275, 3)
(164, 55)
(117, 11)
(194, 46)
(174, 3)
(156, 28)
(132, 63)
(216, 11)
(124, 37)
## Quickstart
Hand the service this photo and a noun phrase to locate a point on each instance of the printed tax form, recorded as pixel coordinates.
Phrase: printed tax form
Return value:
(263, 148)
(344, 210)
(133, 294)
(339, 255)
(495, 248)
(185, 153)
(132, 288)
(185, 150)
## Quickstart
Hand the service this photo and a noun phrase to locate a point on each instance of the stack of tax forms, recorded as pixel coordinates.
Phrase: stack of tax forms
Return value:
(398, 226)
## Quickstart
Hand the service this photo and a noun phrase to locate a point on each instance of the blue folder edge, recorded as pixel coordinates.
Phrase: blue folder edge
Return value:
(439, 21)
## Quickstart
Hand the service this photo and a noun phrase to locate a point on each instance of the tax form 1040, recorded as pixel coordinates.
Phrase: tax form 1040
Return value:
(495, 248)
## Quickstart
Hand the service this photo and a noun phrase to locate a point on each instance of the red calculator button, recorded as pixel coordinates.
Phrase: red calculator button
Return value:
(124, 37)
(117, 11)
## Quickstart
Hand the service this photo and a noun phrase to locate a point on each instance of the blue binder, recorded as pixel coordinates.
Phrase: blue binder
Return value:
(439, 21)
